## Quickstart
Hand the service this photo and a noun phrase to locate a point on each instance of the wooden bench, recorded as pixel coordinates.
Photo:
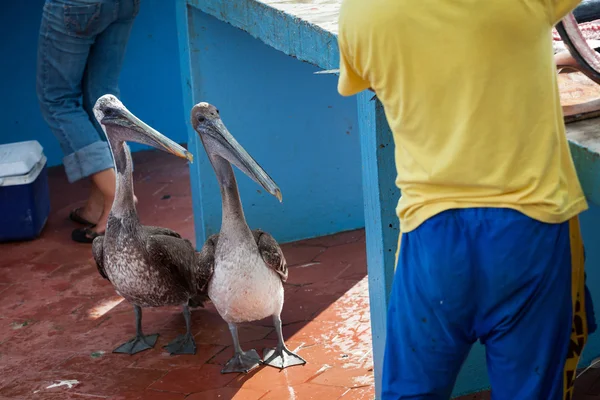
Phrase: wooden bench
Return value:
(227, 67)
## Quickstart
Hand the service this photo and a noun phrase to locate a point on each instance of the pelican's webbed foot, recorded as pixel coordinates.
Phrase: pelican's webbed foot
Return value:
(137, 344)
(281, 357)
(183, 344)
(140, 342)
(242, 362)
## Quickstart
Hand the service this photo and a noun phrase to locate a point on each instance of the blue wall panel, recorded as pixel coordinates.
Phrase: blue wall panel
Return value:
(590, 221)
(150, 82)
(292, 122)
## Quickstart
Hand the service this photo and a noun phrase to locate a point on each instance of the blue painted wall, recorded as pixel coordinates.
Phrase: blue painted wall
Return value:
(292, 122)
(151, 69)
(590, 221)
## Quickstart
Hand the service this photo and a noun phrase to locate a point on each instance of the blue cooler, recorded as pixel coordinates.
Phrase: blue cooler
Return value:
(24, 194)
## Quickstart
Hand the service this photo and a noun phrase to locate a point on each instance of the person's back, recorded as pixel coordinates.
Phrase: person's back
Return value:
(469, 88)
(490, 242)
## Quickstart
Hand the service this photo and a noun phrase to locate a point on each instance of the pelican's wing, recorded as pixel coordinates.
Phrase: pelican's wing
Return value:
(159, 230)
(175, 255)
(205, 264)
(98, 253)
(271, 253)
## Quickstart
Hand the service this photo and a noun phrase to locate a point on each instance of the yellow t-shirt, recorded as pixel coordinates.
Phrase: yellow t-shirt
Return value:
(470, 92)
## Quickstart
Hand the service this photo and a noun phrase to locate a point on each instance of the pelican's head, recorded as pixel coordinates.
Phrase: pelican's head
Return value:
(120, 123)
(218, 141)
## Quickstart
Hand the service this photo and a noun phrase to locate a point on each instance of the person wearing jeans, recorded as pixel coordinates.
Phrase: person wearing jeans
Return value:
(79, 58)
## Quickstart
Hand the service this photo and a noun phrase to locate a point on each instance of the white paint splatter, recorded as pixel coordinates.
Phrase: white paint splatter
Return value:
(324, 368)
(307, 265)
(69, 383)
(292, 393)
(366, 354)
(360, 381)
(298, 348)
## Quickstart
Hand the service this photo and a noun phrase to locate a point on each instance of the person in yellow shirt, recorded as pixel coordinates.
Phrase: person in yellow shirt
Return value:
(490, 243)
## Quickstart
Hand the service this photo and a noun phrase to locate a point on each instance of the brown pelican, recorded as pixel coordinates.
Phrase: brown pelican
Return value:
(249, 266)
(149, 266)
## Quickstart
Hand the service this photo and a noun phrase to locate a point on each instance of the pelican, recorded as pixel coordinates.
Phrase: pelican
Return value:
(248, 266)
(148, 266)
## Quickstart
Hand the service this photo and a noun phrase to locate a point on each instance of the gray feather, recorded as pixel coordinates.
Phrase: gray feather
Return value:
(98, 253)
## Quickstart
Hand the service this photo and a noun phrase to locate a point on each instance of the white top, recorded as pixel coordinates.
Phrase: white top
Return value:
(17, 159)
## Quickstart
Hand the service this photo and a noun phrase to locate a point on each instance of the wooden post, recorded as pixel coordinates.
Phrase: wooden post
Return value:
(381, 223)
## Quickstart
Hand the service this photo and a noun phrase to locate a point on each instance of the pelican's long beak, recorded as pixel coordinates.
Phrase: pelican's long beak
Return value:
(237, 155)
(140, 132)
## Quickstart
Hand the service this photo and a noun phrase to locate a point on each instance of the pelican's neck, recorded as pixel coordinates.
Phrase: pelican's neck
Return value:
(123, 205)
(233, 219)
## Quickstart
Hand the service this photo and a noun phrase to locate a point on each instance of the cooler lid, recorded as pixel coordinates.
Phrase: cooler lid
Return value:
(19, 158)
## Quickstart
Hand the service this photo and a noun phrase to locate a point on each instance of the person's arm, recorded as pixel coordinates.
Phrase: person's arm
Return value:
(560, 8)
(349, 82)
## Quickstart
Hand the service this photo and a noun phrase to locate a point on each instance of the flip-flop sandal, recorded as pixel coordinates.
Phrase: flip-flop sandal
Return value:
(85, 235)
(75, 217)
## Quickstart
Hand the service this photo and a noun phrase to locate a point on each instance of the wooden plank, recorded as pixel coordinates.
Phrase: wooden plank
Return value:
(579, 97)
(189, 78)
(381, 223)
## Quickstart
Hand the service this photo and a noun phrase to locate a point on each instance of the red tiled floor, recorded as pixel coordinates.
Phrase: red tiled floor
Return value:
(190, 380)
(228, 393)
(59, 321)
(364, 393)
(305, 391)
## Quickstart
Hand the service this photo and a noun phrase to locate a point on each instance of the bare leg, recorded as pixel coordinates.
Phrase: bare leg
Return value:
(184, 344)
(281, 357)
(139, 342)
(105, 182)
(241, 361)
(102, 195)
(95, 204)
(565, 62)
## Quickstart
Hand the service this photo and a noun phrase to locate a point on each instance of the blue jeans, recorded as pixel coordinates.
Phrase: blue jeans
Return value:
(80, 54)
